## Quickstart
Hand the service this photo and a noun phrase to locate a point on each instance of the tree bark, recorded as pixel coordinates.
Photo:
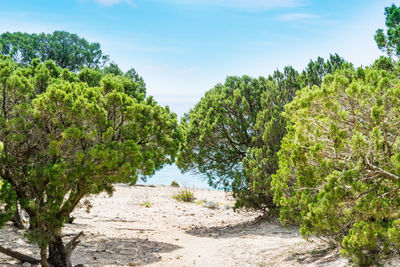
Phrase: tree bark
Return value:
(43, 257)
(58, 255)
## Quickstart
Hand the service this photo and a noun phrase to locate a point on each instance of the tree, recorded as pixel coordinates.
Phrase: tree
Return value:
(69, 140)
(390, 42)
(113, 68)
(315, 71)
(339, 163)
(220, 129)
(253, 191)
(234, 132)
(261, 161)
(133, 82)
(134, 76)
(67, 50)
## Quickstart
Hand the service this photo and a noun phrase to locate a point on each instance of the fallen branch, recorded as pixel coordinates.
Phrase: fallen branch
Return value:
(19, 256)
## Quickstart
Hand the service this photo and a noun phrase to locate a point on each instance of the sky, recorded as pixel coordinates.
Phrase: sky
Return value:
(182, 48)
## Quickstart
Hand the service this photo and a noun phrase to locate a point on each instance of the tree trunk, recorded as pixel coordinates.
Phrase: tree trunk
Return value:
(43, 257)
(58, 255)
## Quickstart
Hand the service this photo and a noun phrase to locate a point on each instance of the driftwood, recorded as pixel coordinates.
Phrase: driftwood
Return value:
(19, 256)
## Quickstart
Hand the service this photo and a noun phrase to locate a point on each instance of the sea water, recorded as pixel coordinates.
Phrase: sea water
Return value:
(170, 173)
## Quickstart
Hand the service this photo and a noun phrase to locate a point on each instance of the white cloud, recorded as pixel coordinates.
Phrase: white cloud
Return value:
(297, 17)
(244, 4)
(114, 2)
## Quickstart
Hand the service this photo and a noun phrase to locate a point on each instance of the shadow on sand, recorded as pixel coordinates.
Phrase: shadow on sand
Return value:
(94, 250)
(323, 255)
(101, 251)
(257, 227)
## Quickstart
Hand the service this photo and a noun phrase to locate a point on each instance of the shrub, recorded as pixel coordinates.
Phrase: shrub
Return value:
(253, 191)
(146, 204)
(339, 175)
(184, 196)
(174, 184)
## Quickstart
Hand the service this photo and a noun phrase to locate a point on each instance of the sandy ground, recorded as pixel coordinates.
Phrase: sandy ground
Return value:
(120, 231)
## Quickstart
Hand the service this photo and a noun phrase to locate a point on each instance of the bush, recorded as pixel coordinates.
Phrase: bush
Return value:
(174, 184)
(184, 196)
(340, 163)
(146, 204)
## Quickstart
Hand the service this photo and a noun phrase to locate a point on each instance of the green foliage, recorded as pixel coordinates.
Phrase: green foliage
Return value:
(315, 71)
(390, 42)
(123, 84)
(184, 196)
(135, 77)
(384, 63)
(146, 204)
(234, 132)
(339, 168)
(7, 202)
(261, 161)
(65, 49)
(113, 68)
(68, 135)
(174, 184)
(132, 82)
(220, 129)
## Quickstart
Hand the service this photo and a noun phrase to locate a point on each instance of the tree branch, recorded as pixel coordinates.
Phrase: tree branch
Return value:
(70, 247)
(381, 171)
(372, 189)
(19, 256)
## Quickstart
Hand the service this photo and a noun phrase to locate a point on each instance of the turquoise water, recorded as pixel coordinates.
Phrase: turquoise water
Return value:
(171, 173)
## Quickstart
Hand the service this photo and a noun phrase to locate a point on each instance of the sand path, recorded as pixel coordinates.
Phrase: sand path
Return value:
(120, 231)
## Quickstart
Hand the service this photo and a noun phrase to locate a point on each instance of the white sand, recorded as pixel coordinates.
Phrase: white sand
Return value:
(119, 231)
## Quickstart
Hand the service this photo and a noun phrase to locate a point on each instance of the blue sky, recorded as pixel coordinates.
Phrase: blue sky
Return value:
(182, 48)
